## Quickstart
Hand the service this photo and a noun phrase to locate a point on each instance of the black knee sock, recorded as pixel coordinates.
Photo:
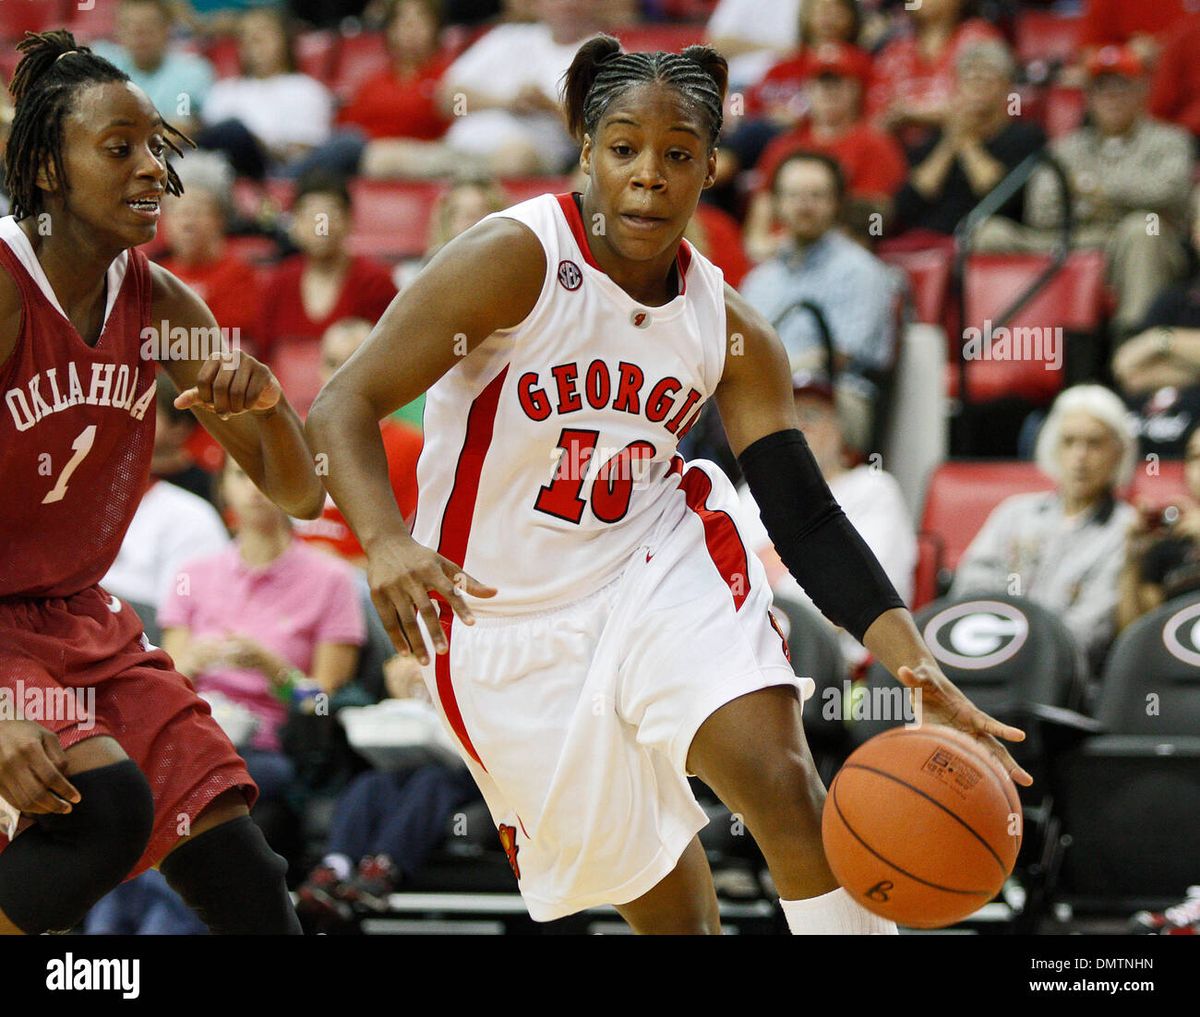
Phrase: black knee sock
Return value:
(53, 873)
(233, 880)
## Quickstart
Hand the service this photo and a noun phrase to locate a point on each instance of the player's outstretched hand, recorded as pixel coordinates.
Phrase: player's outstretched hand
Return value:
(231, 383)
(33, 769)
(942, 702)
(401, 572)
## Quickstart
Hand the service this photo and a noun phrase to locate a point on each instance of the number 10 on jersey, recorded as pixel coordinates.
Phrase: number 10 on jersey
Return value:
(612, 486)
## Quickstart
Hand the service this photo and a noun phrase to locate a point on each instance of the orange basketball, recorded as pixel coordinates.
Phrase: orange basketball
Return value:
(922, 826)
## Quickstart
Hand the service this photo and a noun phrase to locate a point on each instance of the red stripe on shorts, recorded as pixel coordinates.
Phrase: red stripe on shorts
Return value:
(725, 545)
(456, 531)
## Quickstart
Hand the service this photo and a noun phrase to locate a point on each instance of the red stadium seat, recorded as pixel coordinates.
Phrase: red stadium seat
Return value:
(1044, 36)
(359, 58)
(20, 16)
(723, 238)
(1073, 300)
(928, 274)
(646, 38)
(688, 10)
(929, 549)
(961, 495)
(297, 366)
(524, 188)
(391, 220)
(1161, 488)
(222, 53)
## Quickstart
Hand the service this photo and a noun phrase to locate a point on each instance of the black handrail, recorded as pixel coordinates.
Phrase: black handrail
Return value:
(822, 327)
(989, 205)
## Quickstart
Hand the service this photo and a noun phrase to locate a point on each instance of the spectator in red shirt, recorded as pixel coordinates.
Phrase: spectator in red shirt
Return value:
(194, 225)
(401, 445)
(1175, 93)
(392, 123)
(872, 162)
(309, 291)
(914, 74)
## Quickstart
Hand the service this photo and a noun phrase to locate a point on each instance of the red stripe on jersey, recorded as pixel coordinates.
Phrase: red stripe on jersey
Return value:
(684, 258)
(725, 545)
(575, 221)
(456, 531)
(570, 210)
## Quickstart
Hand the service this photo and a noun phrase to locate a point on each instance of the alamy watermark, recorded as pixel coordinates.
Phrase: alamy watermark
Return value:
(166, 342)
(76, 706)
(1031, 343)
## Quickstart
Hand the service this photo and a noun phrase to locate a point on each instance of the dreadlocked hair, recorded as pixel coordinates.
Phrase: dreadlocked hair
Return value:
(53, 69)
(601, 72)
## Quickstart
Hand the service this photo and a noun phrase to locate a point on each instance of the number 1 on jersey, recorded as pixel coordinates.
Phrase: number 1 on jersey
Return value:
(82, 445)
(611, 489)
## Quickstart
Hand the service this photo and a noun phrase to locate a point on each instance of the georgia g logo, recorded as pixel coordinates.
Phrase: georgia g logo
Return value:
(508, 841)
(1181, 635)
(977, 635)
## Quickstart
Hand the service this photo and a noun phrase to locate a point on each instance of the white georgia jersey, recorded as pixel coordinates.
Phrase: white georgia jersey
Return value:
(549, 450)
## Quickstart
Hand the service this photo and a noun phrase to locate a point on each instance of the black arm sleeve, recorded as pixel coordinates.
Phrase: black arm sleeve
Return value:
(812, 535)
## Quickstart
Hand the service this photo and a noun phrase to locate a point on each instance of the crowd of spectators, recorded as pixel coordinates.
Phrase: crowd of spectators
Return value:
(857, 132)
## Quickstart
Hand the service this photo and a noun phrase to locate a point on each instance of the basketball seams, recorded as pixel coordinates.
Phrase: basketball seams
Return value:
(925, 882)
(916, 790)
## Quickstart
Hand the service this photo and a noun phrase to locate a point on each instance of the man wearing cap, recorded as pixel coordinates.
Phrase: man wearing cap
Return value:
(870, 497)
(1130, 176)
(856, 293)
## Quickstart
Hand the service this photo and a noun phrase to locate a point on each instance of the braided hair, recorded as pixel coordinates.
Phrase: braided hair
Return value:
(601, 72)
(52, 71)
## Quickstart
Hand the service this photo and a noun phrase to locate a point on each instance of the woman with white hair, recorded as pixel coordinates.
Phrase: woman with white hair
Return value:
(1064, 548)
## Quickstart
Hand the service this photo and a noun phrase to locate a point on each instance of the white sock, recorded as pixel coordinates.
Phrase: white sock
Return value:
(834, 914)
(340, 864)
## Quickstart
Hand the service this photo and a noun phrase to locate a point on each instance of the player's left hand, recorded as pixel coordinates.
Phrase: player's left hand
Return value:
(230, 383)
(942, 702)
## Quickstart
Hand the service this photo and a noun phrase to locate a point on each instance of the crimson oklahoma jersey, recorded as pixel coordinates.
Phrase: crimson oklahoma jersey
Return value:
(76, 428)
(550, 451)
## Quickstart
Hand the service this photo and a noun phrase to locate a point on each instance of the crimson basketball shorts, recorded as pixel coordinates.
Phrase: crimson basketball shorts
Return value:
(82, 667)
(576, 722)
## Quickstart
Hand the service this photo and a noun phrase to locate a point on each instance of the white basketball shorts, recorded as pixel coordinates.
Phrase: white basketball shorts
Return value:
(576, 722)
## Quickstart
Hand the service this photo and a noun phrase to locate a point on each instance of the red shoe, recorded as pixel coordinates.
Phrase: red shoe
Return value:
(1181, 920)
(373, 883)
(323, 895)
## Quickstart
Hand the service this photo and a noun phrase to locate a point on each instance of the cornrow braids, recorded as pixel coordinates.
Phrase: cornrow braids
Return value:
(602, 71)
(52, 71)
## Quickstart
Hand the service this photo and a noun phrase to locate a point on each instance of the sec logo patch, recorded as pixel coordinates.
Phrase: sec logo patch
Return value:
(569, 275)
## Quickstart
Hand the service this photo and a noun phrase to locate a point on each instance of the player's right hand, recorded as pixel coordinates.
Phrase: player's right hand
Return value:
(33, 769)
(401, 572)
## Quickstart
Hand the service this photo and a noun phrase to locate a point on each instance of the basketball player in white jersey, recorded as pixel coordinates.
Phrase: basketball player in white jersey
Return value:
(624, 642)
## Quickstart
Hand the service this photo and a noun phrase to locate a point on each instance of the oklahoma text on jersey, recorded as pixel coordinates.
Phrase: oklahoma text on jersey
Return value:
(109, 385)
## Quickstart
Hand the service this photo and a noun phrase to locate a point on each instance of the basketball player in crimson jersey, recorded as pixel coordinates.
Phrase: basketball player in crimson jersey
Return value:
(566, 345)
(146, 778)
